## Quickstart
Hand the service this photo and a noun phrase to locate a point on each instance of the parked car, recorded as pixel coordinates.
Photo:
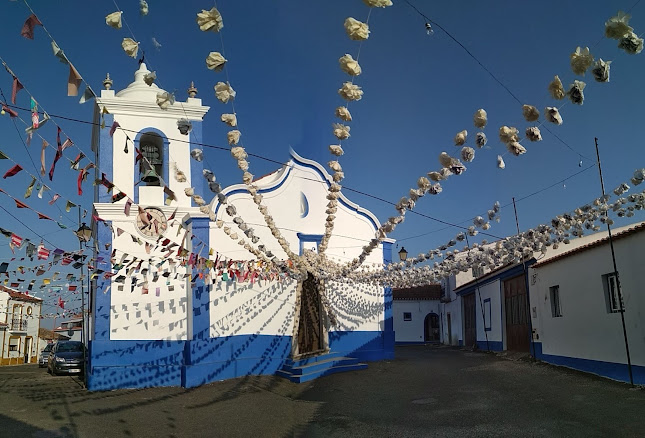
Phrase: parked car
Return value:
(44, 356)
(66, 357)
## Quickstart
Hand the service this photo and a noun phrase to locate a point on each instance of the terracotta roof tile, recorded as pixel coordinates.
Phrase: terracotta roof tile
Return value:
(428, 292)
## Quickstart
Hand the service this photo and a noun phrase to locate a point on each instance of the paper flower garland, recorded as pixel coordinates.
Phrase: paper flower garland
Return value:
(336, 150)
(210, 20)
(341, 131)
(480, 119)
(215, 61)
(533, 133)
(130, 47)
(343, 114)
(556, 89)
(224, 92)
(378, 3)
(530, 113)
(581, 60)
(480, 139)
(553, 115)
(460, 138)
(350, 92)
(575, 92)
(631, 44)
(114, 20)
(600, 70)
(349, 65)
(229, 119)
(356, 30)
(165, 99)
(508, 134)
(617, 27)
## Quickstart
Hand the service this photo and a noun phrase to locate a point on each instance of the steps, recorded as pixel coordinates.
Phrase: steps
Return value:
(310, 368)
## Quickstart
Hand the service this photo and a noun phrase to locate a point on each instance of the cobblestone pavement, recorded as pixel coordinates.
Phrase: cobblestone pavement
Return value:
(426, 391)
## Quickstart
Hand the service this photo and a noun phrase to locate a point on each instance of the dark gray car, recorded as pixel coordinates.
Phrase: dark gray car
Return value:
(44, 356)
(66, 357)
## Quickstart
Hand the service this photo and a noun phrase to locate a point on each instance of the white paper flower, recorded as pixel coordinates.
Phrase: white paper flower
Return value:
(617, 27)
(336, 149)
(238, 153)
(215, 61)
(423, 183)
(480, 139)
(341, 131)
(581, 60)
(445, 160)
(198, 200)
(189, 191)
(184, 126)
(600, 70)
(515, 148)
(247, 178)
(149, 78)
(231, 210)
(460, 138)
(210, 20)
(435, 189)
(335, 166)
(533, 133)
(435, 176)
(143, 7)
(243, 165)
(233, 137)
(350, 92)
(575, 92)
(467, 154)
(224, 92)
(480, 119)
(500, 162)
(179, 175)
(165, 99)
(356, 30)
(229, 119)
(343, 114)
(114, 20)
(530, 113)
(508, 134)
(130, 47)
(378, 3)
(349, 65)
(338, 176)
(197, 154)
(553, 115)
(631, 43)
(556, 89)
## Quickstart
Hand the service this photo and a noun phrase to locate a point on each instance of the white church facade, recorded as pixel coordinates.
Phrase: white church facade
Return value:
(177, 301)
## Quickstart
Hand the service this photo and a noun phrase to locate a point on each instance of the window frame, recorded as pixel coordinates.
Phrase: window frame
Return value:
(556, 304)
(488, 327)
(407, 316)
(611, 293)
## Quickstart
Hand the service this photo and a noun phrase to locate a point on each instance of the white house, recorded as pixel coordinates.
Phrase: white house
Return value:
(184, 302)
(20, 316)
(416, 314)
(575, 300)
(72, 329)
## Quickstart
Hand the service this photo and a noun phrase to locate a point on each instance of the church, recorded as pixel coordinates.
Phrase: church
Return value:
(185, 292)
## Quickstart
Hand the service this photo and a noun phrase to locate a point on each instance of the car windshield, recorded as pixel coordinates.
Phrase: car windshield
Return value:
(48, 348)
(70, 346)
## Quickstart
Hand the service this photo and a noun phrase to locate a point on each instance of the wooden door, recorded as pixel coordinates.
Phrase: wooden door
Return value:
(310, 331)
(431, 324)
(517, 314)
(470, 326)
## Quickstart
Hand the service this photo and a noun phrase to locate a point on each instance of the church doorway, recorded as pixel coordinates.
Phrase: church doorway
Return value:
(310, 338)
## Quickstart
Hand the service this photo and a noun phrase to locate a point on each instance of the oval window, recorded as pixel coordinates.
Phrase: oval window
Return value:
(304, 205)
(29, 310)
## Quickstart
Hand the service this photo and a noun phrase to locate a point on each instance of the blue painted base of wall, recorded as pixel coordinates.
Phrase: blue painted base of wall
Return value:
(493, 345)
(612, 370)
(417, 342)
(140, 364)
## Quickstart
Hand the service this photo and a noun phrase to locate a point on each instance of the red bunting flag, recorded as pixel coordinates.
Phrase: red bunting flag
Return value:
(59, 154)
(42, 216)
(28, 28)
(16, 242)
(20, 204)
(113, 128)
(11, 112)
(54, 199)
(43, 253)
(61, 303)
(13, 171)
(17, 86)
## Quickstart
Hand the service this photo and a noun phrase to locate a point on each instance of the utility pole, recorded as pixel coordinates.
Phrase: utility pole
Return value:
(80, 247)
(526, 285)
(613, 259)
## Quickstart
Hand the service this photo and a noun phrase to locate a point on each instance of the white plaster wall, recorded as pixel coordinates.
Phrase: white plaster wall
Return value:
(586, 329)
(356, 307)
(490, 290)
(414, 330)
(452, 306)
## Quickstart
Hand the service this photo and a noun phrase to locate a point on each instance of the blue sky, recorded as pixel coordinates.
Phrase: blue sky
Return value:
(419, 90)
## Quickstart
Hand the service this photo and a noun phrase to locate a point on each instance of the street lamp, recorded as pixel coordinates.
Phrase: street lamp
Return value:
(84, 233)
(403, 254)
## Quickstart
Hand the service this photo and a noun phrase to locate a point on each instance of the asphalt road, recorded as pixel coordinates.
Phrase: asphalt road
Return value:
(424, 392)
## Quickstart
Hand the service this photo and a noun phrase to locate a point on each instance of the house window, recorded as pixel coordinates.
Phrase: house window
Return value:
(407, 316)
(487, 315)
(556, 310)
(611, 293)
